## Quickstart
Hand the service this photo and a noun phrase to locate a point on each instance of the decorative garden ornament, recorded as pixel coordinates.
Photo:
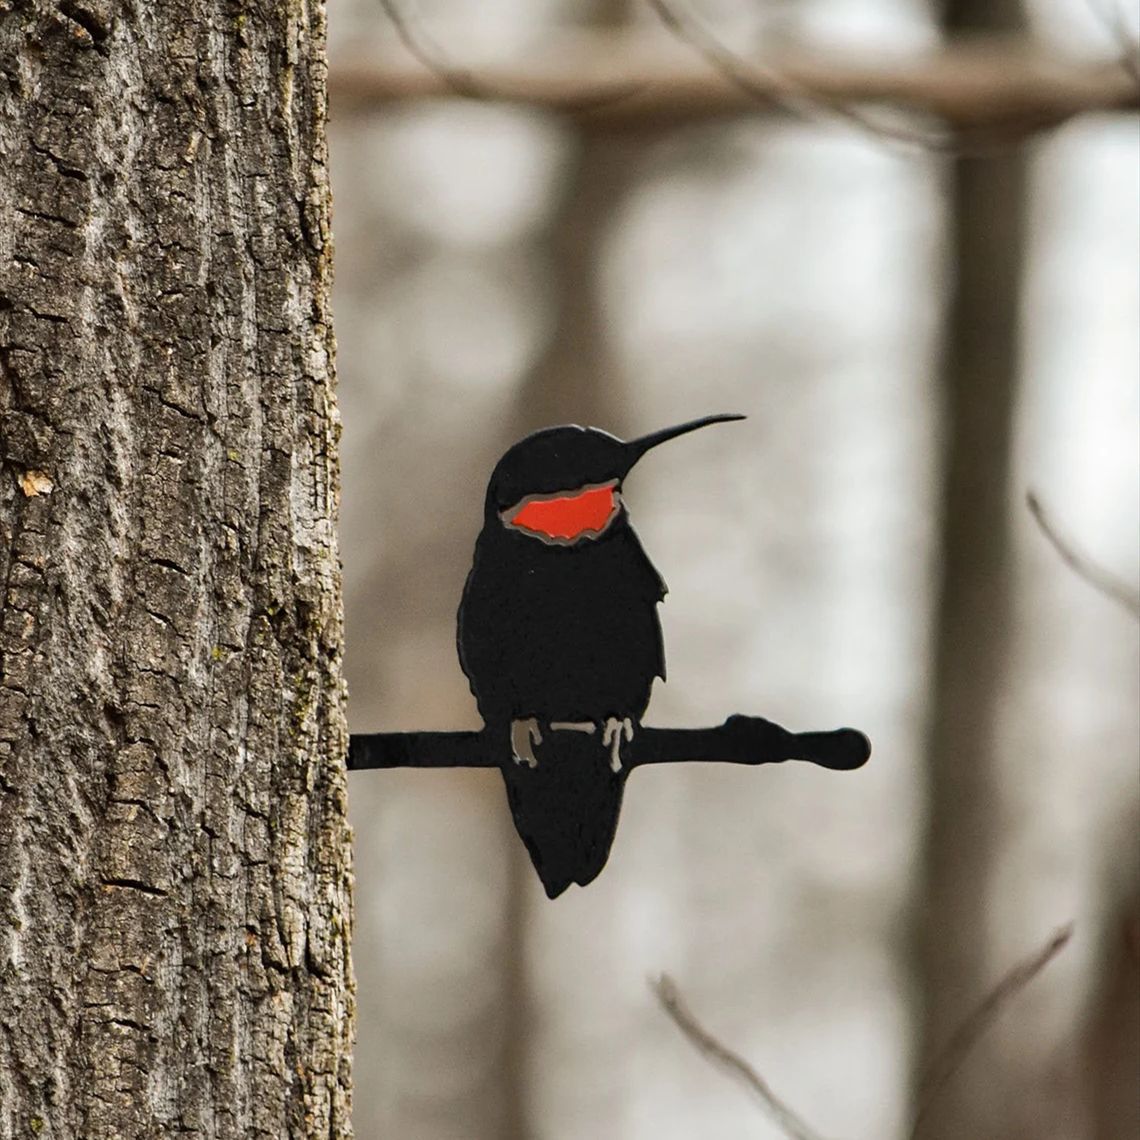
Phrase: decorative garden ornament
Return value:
(560, 640)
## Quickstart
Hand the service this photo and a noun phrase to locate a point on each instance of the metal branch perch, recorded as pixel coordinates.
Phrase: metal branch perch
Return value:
(740, 740)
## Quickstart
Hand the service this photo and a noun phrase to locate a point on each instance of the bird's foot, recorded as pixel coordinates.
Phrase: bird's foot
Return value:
(612, 732)
(525, 734)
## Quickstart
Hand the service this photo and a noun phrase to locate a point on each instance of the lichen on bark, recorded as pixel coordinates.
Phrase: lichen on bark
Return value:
(175, 900)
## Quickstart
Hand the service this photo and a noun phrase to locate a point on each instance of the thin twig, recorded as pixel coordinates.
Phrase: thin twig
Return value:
(719, 1054)
(766, 85)
(458, 79)
(1111, 15)
(1103, 581)
(463, 82)
(947, 1063)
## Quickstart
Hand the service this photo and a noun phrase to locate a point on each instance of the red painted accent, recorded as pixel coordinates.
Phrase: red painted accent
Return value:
(567, 517)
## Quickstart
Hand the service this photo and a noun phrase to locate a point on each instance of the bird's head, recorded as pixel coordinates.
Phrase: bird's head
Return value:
(562, 485)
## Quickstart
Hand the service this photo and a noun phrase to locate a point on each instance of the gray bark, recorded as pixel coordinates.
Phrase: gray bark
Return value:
(174, 858)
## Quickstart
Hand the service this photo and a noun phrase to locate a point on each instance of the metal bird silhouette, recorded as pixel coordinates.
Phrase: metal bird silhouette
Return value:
(559, 636)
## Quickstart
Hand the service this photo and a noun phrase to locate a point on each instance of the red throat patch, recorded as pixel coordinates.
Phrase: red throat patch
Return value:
(566, 517)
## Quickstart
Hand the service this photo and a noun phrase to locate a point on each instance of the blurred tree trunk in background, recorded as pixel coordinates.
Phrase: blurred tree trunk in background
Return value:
(174, 857)
(987, 205)
(574, 381)
(1113, 1058)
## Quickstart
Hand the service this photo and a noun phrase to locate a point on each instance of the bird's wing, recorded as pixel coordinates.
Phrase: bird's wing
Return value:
(649, 586)
(475, 641)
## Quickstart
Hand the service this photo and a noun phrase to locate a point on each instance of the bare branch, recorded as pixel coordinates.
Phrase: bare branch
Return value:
(937, 1076)
(767, 85)
(999, 87)
(970, 1032)
(719, 1054)
(1109, 585)
(463, 82)
(458, 80)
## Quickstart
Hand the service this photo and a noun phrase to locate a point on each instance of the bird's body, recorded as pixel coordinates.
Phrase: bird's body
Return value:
(563, 634)
(560, 639)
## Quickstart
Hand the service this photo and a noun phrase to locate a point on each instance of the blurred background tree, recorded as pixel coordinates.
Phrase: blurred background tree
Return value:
(920, 333)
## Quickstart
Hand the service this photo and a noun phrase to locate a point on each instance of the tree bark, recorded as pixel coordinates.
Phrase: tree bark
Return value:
(174, 859)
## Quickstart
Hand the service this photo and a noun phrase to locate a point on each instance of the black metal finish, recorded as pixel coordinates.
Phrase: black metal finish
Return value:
(559, 637)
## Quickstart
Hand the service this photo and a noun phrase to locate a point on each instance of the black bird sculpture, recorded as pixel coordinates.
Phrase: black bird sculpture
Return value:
(560, 639)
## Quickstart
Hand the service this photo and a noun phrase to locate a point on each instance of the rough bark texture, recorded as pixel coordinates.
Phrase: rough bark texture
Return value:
(174, 857)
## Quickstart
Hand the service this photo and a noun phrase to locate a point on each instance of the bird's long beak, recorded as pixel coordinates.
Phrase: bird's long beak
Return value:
(636, 448)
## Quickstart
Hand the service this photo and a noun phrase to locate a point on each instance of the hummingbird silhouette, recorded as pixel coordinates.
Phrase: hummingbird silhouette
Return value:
(559, 637)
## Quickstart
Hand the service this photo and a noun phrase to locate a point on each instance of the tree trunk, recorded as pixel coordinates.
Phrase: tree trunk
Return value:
(972, 637)
(576, 380)
(1113, 1044)
(174, 858)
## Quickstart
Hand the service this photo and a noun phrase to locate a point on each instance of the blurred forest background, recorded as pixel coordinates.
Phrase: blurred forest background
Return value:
(919, 339)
